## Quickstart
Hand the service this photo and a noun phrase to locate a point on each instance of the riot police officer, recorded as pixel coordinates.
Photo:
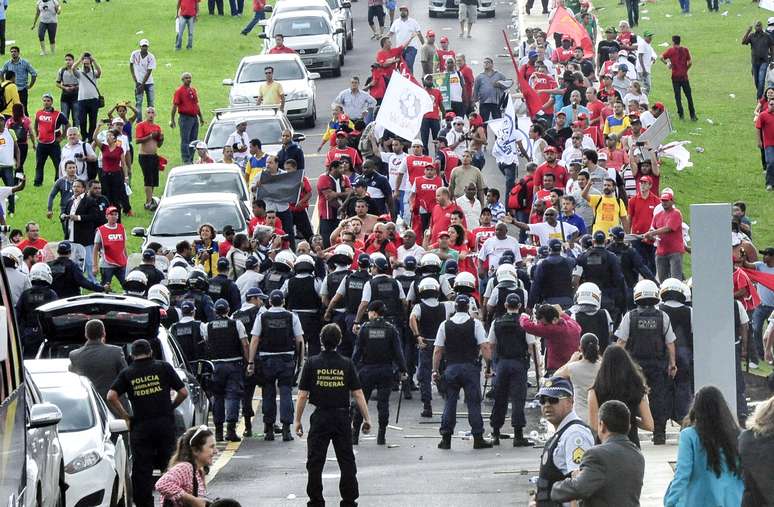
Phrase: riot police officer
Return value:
(588, 313)
(602, 267)
(450, 271)
(507, 283)
(247, 315)
(136, 284)
(197, 292)
(160, 294)
(513, 346)
(673, 296)
(280, 271)
(552, 282)
(460, 339)
(227, 346)
(39, 294)
(406, 279)
(465, 283)
(188, 333)
(303, 299)
(385, 288)
(148, 266)
(68, 279)
(425, 319)
(632, 264)
(350, 290)
(278, 335)
(221, 286)
(177, 283)
(647, 334)
(339, 264)
(429, 267)
(377, 348)
(408, 275)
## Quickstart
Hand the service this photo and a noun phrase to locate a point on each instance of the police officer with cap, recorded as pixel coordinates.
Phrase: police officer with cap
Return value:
(350, 291)
(247, 315)
(632, 265)
(147, 383)
(303, 298)
(148, 267)
(602, 267)
(552, 279)
(197, 292)
(278, 336)
(377, 348)
(39, 294)
(327, 382)
(188, 333)
(563, 452)
(460, 339)
(513, 346)
(227, 345)
(68, 279)
(408, 274)
(646, 332)
(221, 286)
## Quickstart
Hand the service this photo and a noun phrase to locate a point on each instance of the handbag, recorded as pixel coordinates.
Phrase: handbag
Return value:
(100, 98)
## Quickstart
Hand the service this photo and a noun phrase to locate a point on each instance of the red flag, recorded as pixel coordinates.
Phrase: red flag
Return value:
(531, 98)
(765, 279)
(563, 22)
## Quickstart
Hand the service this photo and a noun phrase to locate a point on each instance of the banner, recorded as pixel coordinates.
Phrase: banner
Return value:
(403, 106)
(564, 23)
(441, 81)
(507, 133)
(656, 134)
(279, 188)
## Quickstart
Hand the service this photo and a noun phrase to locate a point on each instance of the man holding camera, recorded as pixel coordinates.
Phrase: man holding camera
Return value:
(77, 151)
(89, 96)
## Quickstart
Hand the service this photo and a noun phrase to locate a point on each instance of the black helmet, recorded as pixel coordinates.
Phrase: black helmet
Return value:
(364, 261)
(198, 280)
(451, 267)
(410, 263)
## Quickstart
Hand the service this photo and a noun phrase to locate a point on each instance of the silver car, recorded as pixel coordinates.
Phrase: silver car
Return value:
(340, 15)
(311, 35)
(451, 8)
(264, 123)
(297, 83)
(202, 178)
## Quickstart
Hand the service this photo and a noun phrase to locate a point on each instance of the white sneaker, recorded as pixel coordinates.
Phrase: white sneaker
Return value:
(752, 365)
(769, 188)
(42, 53)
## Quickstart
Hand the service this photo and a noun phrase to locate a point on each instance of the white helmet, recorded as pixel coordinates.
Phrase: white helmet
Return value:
(344, 250)
(429, 284)
(41, 272)
(466, 280)
(430, 259)
(177, 275)
(588, 293)
(14, 253)
(644, 290)
(286, 257)
(674, 285)
(159, 294)
(138, 279)
(506, 273)
(377, 255)
(304, 263)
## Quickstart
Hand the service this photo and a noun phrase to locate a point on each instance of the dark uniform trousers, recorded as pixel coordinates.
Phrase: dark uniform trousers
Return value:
(227, 389)
(681, 387)
(152, 443)
(331, 425)
(657, 377)
(379, 377)
(278, 372)
(465, 376)
(311, 323)
(425, 372)
(511, 385)
(345, 322)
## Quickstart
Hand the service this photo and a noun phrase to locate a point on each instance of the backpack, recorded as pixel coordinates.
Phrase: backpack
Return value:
(517, 197)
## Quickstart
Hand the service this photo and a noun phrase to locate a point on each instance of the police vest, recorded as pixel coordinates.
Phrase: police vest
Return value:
(332, 282)
(502, 293)
(223, 339)
(31, 299)
(646, 333)
(557, 279)
(277, 332)
(680, 319)
(460, 345)
(62, 280)
(511, 338)
(405, 282)
(430, 320)
(170, 317)
(597, 324)
(176, 294)
(378, 342)
(218, 287)
(247, 317)
(597, 268)
(274, 279)
(549, 472)
(624, 254)
(199, 299)
(302, 294)
(189, 337)
(388, 291)
(354, 290)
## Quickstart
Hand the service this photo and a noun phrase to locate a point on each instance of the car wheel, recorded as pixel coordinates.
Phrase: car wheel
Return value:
(337, 72)
(432, 14)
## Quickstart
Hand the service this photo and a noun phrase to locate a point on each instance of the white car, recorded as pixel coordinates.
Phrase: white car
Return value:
(444, 8)
(290, 72)
(264, 123)
(335, 11)
(201, 178)
(96, 452)
(178, 218)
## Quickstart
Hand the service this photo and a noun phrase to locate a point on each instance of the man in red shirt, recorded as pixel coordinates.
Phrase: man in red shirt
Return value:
(431, 122)
(298, 209)
(443, 53)
(563, 53)
(640, 208)
(260, 217)
(765, 125)
(422, 198)
(416, 162)
(595, 106)
(33, 239)
(279, 46)
(332, 190)
(150, 138)
(440, 216)
(343, 149)
(680, 61)
(378, 241)
(185, 102)
(542, 80)
(467, 77)
(667, 226)
(187, 13)
(49, 128)
(484, 231)
(110, 240)
(387, 58)
(551, 166)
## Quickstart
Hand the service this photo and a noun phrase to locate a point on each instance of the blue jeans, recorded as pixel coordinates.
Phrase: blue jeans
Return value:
(69, 110)
(88, 266)
(409, 55)
(107, 274)
(685, 5)
(236, 6)
(278, 371)
(510, 171)
(759, 77)
(465, 376)
(511, 386)
(88, 109)
(227, 385)
(256, 18)
(759, 317)
(379, 377)
(769, 151)
(681, 387)
(184, 22)
(189, 131)
(139, 91)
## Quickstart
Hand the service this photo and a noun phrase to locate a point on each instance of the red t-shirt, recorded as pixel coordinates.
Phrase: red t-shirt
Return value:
(435, 94)
(256, 221)
(113, 244)
(440, 219)
(416, 166)
(443, 54)
(467, 75)
(111, 159)
(679, 57)
(641, 212)
(526, 71)
(145, 129)
(765, 122)
(595, 108)
(278, 50)
(327, 209)
(559, 172)
(223, 248)
(450, 161)
(671, 242)
(39, 244)
(306, 190)
(545, 196)
(187, 101)
(562, 55)
(542, 81)
(425, 193)
(47, 122)
(188, 8)
(371, 246)
(615, 158)
(336, 154)
(481, 234)
(382, 56)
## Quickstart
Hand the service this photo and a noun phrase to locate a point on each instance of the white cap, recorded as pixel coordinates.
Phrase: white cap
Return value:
(201, 145)
(117, 120)
(602, 156)
(417, 142)
(144, 42)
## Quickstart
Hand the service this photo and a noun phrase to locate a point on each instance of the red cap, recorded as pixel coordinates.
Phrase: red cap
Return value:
(444, 39)
(476, 120)
(647, 179)
(566, 37)
(667, 196)
(430, 33)
(341, 133)
(583, 116)
(443, 233)
(578, 124)
(659, 106)
(343, 118)
(110, 209)
(550, 148)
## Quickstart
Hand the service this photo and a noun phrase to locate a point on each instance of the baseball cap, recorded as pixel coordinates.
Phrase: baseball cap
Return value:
(561, 113)
(646, 179)
(341, 133)
(343, 118)
(576, 161)
(513, 300)
(430, 33)
(403, 8)
(666, 195)
(617, 232)
(659, 106)
(648, 33)
(611, 29)
(360, 183)
(222, 263)
(64, 247)
(444, 38)
(110, 209)
(443, 233)
(449, 115)
(201, 145)
(148, 254)
(555, 245)
(187, 306)
(377, 306)
(601, 156)
(417, 142)
(550, 148)
(144, 42)
(555, 387)
(382, 263)
(767, 251)
(276, 297)
(48, 96)
(599, 236)
(458, 119)
(566, 37)
(532, 54)
(578, 124)
(221, 305)
(462, 299)
(116, 121)
(623, 67)
(251, 262)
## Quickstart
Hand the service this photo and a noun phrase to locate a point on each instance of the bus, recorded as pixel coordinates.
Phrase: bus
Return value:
(13, 433)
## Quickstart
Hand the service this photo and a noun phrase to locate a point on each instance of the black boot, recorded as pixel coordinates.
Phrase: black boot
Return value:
(659, 438)
(248, 427)
(427, 411)
(495, 437)
(231, 435)
(480, 443)
(286, 436)
(268, 432)
(445, 442)
(219, 433)
(381, 436)
(406, 391)
(518, 438)
(355, 435)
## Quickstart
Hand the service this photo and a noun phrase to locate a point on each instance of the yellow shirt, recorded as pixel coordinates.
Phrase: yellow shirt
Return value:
(271, 94)
(11, 97)
(608, 212)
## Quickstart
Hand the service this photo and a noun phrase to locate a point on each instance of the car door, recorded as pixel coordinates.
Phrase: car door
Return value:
(195, 392)
(119, 446)
(44, 452)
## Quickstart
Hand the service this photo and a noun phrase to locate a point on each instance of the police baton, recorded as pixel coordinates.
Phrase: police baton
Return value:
(400, 399)
(487, 374)
(537, 366)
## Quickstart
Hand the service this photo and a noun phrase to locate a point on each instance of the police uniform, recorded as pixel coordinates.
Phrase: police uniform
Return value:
(147, 383)
(740, 319)
(205, 308)
(681, 387)
(383, 287)
(329, 288)
(632, 267)
(151, 272)
(225, 342)
(39, 294)
(552, 282)
(302, 297)
(596, 321)
(329, 378)
(68, 279)
(430, 314)
(247, 315)
(188, 333)
(275, 278)
(223, 287)
(351, 288)
(496, 302)
(277, 330)
(602, 267)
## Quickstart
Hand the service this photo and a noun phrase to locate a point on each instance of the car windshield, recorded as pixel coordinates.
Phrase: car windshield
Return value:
(292, 7)
(197, 183)
(77, 414)
(298, 27)
(333, 4)
(185, 219)
(268, 130)
(283, 71)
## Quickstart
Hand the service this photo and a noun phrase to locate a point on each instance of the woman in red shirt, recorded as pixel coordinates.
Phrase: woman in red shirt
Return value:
(115, 175)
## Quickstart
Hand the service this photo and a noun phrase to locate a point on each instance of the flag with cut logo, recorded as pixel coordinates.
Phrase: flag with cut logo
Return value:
(441, 80)
(507, 133)
(403, 106)
(279, 188)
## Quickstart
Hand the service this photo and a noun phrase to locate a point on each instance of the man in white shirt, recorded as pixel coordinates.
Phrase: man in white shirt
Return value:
(402, 29)
(494, 248)
(141, 65)
(645, 58)
(242, 141)
(470, 206)
(456, 138)
(549, 229)
(77, 151)
(409, 248)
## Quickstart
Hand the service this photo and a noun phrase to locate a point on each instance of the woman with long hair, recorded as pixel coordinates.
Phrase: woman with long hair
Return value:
(206, 249)
(756, 450)
(581, 370)
(20, 123)
(708, 468)
(619, 378)
(183, 483)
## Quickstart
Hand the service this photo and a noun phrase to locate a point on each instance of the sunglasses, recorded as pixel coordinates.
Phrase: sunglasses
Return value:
(200, 429)
(550, 400)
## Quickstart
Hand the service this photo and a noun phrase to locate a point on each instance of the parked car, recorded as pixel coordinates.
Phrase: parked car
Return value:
(203, 178)
(443, 8)
(126, 319)
(297, 83)
(178, 218)
(311, 35)
(264, 123)
(94, 442)
(45, 461)
(338, 16)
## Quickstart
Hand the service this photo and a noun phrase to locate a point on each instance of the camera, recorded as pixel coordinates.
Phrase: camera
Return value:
(5, 229)
(79, 155)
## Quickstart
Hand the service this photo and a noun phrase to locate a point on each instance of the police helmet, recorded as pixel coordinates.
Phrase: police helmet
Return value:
(451, 267)
(159, 294)
(304, 264)
(410, 263)
(646, 293)
(506, 273)
(429, 285)
(465, 282)
(429, 263)
(364, 261)
(380, 262)
(586, 242)
(342, 255)
(14, 253)
(136, 283)
(177, 275)
(588, 293)
(41, 272)
(673, 289)
(285, 258)
(197, 279)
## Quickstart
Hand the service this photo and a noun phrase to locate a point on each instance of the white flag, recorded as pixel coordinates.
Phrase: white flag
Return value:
(403, 106)
(507, 132)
